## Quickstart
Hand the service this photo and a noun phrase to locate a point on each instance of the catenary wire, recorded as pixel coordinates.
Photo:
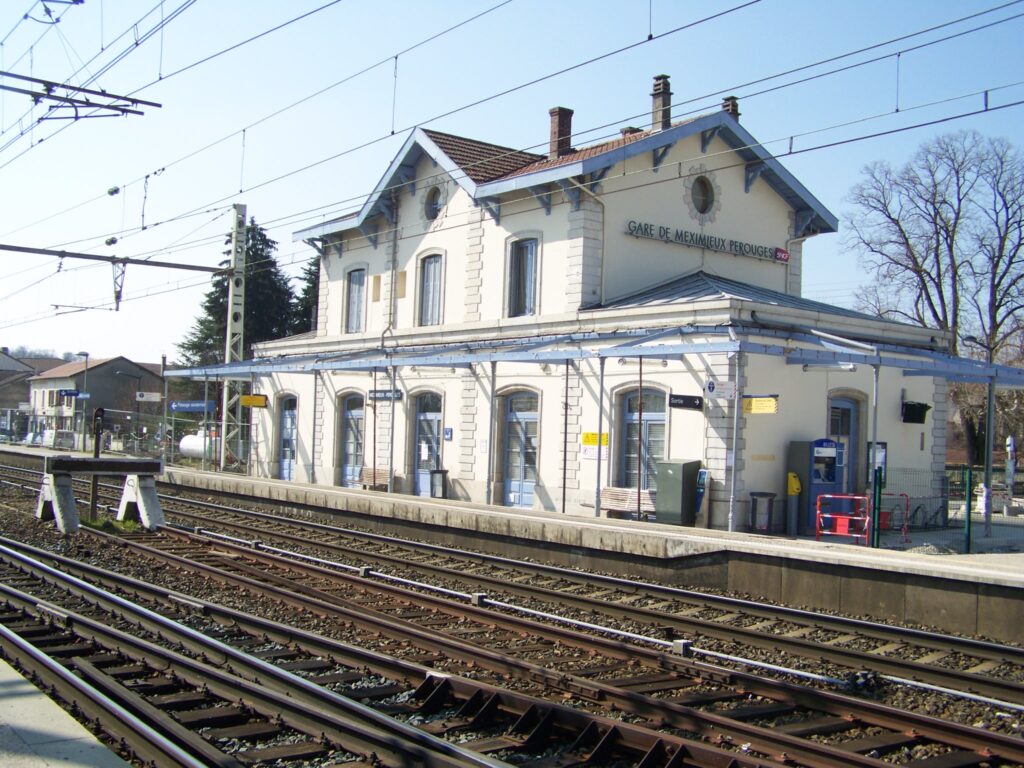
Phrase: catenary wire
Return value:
(271, 115)
(688, 101)
(655, 182)
(907, 36)
(759, 80)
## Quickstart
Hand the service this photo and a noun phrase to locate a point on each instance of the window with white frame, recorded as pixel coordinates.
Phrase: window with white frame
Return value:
(430, 290)
(355, 296)
(522, 278)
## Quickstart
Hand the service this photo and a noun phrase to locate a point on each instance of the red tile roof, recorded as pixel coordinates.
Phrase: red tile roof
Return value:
(481, 161)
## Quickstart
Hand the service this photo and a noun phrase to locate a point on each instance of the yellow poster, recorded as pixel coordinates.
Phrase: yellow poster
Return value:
(760, 405)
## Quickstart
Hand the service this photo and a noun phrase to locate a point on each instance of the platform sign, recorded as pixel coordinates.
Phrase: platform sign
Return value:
(686, 402)
(83, 396)
(254, 401)
(588, 445)
(149, 397)
(193, 406)
(385, 394)
(67, 393)
(720, 390)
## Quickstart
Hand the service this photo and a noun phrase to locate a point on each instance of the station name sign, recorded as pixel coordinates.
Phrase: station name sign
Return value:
(677, 236)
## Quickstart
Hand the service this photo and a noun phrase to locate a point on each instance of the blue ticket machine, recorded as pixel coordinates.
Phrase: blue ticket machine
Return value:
(817, 464)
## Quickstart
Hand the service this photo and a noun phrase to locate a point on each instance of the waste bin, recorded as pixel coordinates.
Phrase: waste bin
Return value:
(439, 483)
(762, 512)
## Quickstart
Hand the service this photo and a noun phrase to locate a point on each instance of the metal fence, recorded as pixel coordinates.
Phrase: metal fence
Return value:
(944, 512)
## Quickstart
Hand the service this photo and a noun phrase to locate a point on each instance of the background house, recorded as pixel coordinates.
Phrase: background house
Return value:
(59, 417)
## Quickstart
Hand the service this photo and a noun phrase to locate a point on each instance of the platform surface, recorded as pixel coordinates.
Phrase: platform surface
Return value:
(35, 732)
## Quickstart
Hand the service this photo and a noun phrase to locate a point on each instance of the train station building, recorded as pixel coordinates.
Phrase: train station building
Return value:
(553, 331)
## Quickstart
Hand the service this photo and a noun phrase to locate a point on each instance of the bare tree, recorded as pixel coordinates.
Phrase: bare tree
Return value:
(943, 236)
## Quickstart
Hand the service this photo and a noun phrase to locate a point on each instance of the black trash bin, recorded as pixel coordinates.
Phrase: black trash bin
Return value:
(762, 511)
(439, 483)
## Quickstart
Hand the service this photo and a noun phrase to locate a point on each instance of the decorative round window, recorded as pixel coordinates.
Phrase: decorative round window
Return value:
(432, 206)
(703, 194)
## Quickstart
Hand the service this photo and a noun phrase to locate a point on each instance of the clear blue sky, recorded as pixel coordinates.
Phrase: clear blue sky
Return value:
(54, 177)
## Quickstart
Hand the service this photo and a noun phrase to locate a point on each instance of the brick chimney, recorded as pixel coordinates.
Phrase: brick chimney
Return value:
(560, 143)
(661, 104)
(731, 106)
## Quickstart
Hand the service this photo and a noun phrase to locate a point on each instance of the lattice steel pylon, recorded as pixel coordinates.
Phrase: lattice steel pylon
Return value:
(234, 345)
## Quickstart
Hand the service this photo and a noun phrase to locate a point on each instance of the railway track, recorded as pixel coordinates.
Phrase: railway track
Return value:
(758, 717)
(714, 623)
(869, 734)
(263, 699)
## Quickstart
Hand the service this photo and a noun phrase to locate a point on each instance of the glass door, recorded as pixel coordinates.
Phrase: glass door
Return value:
(351, 453)
(428, 444)
(520, 449)
(286, 439)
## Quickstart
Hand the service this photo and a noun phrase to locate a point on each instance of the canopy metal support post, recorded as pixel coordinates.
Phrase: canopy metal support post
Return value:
(490, 433)
(206, 420)
(640, 439)
(872, 452)
(990, 428)
(565, 433)
(736, 403)
(391, 431)
(600, 427)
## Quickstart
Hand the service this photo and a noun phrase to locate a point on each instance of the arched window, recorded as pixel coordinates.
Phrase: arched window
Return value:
(355, 298)
(643, 438)
(430, 290)
(522, 278)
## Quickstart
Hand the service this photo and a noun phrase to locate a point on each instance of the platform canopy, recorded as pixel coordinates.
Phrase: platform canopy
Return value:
(808, 348)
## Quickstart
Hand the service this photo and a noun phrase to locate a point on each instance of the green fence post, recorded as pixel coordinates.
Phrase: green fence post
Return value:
(968, 498)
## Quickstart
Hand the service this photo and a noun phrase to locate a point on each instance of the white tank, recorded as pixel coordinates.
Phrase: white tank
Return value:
(192, 446)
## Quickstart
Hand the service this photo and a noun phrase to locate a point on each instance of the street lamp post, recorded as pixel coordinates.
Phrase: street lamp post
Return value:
(85, 409)
(990, 420)
(138, 384)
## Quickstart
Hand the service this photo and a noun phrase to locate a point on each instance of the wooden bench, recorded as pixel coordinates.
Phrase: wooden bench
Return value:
(620, 503)
(373, 479)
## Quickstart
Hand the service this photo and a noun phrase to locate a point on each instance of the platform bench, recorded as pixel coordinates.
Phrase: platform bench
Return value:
(620, 503)
(373, 479)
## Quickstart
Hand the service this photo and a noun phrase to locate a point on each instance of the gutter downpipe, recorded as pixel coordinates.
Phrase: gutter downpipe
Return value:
(490, 434)
(600, 426)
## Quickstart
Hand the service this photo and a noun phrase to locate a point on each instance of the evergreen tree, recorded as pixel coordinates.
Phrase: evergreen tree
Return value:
(269, 304)
(306, 303)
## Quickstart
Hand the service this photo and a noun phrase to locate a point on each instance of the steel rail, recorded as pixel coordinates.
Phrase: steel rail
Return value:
(711, 725)
(934, 640)
(435, 687)
(120, 723)
(852, 658)
(363, 725)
